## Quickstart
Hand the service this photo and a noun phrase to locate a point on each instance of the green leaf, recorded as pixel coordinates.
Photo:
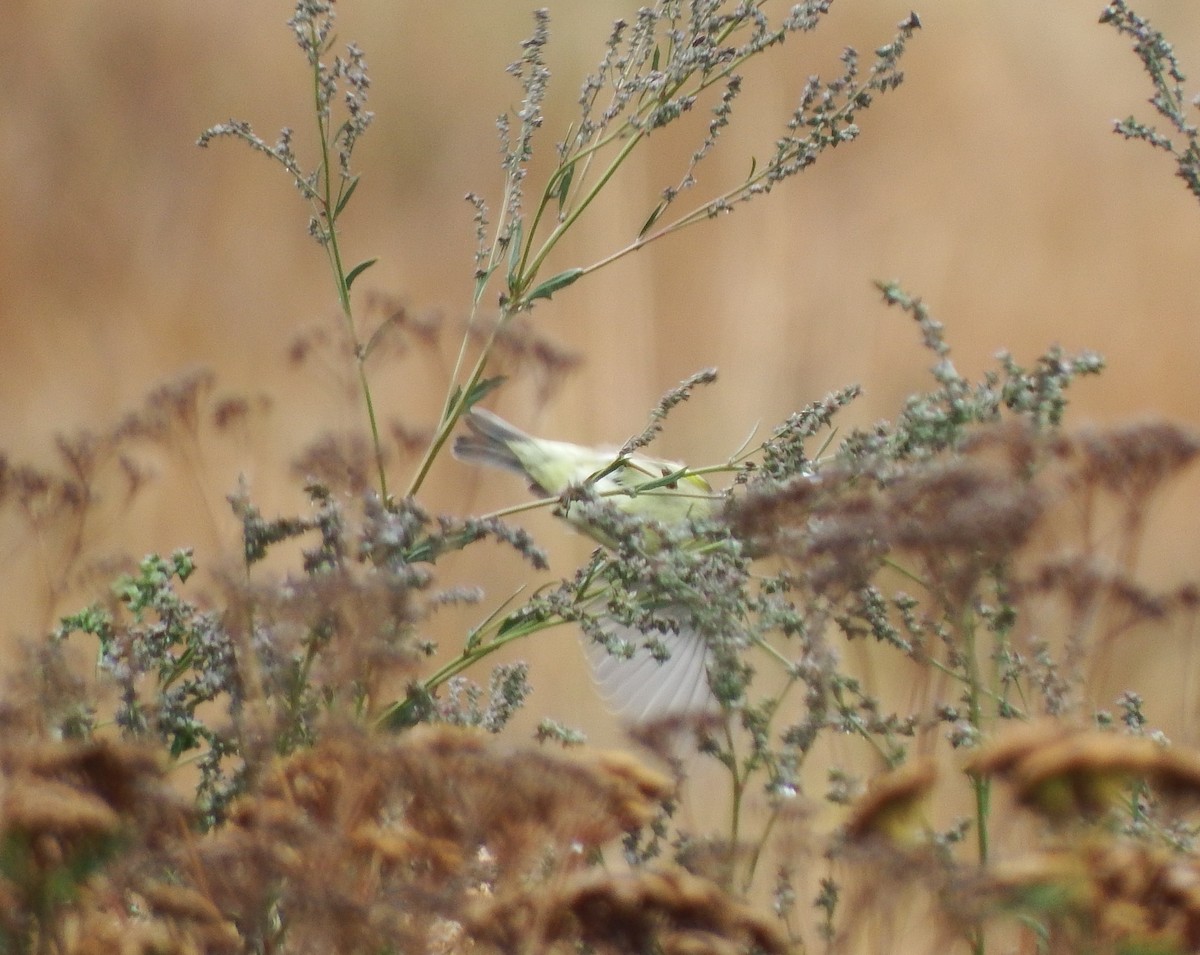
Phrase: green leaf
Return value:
(423, 550)
(346, 197)
(171, 670)
(649, 223)
(183, 563)
(562, 185)
(417, 706)
(481, 389)
(552, 285)
(509, 623)
(94, 620)
(514, 253)
(357, 271)
(655, 59)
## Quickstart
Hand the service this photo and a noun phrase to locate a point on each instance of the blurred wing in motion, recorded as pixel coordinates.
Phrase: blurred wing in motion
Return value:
(643, 689)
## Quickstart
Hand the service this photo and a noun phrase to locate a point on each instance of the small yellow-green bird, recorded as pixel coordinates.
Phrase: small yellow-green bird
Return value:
(640, 688)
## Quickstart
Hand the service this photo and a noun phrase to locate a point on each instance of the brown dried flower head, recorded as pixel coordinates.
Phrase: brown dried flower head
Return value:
(893, 808)
(636, 912)
(1105, 895)
(1067, 774)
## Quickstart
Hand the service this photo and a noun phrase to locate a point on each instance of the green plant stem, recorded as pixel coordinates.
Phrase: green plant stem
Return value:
(476, 650)
(456, 395)
(702, 212)
(905, 572)
(846, 712)
(329, 209)
(738, 789)
(761, 843)
(468, 658)
(975, 715)
(632, 132)
(757, 851)
(527, 270)
(980, 785)
(455, 408)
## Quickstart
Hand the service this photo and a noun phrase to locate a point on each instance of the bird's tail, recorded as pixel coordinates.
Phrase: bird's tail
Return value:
(490, 442)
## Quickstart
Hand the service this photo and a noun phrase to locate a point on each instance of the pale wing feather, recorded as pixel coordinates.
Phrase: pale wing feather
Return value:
(642, 688)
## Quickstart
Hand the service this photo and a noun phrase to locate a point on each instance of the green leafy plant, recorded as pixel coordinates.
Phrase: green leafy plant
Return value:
(1169, 99)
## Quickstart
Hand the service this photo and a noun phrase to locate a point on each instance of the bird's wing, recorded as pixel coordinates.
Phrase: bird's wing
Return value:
(641, 688)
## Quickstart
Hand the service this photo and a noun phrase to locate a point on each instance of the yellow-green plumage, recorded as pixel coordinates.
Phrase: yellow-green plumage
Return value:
(552, 466)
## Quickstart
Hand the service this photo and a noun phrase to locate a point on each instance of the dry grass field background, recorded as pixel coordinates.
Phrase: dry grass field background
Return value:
(990, 183)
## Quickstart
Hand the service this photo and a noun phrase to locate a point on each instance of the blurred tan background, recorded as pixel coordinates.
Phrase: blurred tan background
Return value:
(990, 183)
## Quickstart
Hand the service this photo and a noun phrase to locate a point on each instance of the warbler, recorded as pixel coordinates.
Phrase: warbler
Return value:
(641, 687)
(634, 486)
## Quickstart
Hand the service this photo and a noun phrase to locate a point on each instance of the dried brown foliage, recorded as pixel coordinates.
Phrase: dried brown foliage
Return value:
(1075, 774)
(958, 517)
(892, 808)
(670, 911)
(374, 842)
(365, 842)
(1110, 895)
(81, 824)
